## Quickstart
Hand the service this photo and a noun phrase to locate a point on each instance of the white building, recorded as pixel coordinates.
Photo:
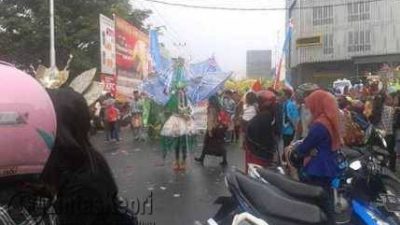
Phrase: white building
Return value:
(258, 64)
(342, 38)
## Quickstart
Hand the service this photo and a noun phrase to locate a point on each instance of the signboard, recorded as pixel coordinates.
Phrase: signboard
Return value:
(132, 57)
(308, 41)
(107, 46)
(109, 83)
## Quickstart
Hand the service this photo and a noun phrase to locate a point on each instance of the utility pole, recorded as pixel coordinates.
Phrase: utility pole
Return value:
(52, 47)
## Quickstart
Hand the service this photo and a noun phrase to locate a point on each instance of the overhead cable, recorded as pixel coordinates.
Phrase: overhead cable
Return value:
(184, 5)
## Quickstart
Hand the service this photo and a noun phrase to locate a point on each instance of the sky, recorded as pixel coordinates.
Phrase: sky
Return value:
(225, 34)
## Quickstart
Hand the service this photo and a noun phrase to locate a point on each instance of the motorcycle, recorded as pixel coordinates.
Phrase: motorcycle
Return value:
(268, 203)
(366, 189)
(367, 192)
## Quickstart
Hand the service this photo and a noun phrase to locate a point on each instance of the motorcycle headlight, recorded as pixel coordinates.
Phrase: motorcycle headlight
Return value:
(356, 165)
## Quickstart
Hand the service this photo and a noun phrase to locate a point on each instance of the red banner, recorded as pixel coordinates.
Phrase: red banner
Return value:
(132, 56)
(110, 83)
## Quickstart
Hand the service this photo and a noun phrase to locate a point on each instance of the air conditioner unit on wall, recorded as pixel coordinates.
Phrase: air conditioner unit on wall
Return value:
(309, 41)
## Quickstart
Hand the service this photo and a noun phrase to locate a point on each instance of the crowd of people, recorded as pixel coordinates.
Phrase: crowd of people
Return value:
(111, 116)
(68, 171)
(269, 122)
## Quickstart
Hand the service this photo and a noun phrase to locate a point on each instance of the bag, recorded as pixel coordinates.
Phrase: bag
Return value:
(112, 114)
(224, 119)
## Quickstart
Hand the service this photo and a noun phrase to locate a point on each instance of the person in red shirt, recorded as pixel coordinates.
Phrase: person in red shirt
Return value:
(112, 118)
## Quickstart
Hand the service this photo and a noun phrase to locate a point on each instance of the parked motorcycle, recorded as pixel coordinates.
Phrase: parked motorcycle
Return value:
(269, 203)
(366, 189)
(367, 192)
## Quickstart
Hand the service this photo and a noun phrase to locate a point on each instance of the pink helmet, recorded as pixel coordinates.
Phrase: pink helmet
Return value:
(27, 123)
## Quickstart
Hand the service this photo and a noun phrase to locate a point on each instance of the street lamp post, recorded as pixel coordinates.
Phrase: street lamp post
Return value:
(52, 48)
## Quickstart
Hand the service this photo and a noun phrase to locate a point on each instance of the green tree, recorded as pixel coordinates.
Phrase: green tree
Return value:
(24, 30)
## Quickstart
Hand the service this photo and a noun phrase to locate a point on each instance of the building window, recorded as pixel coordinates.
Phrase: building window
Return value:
(359, 41)
(328, 44)
(323, 15)
(358, 11)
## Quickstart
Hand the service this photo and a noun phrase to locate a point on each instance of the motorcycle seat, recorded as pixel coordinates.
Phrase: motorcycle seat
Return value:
(301, 191)
(274, 204)
(351, 154)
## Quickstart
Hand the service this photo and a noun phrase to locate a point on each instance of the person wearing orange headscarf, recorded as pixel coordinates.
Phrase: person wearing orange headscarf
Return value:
(320, 146)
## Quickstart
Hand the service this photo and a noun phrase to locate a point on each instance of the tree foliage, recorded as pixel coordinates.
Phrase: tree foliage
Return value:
(25, 38)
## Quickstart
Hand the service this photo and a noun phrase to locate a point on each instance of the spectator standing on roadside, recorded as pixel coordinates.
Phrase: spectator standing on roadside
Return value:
(136, 111)
(290, 117)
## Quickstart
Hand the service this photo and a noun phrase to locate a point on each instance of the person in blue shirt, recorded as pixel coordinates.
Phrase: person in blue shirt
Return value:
(320, 146)
(290, 117)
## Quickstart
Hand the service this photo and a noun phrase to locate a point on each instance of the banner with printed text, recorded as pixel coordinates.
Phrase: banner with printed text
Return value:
(107, 47)
(132, 57)
(109, 83)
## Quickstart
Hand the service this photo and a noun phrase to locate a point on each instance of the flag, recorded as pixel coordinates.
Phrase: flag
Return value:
(159, 62)
(207, 66)
(256, 86)
(280, 73)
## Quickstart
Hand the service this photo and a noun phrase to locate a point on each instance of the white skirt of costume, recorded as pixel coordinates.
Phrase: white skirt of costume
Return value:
(177, 126)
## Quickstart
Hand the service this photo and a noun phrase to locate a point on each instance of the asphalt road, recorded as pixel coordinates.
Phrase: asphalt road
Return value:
(158, 194)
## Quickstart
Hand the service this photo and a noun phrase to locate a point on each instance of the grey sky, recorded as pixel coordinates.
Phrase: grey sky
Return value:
(226, 34)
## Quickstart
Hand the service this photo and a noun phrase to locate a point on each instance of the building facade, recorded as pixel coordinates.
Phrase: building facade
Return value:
(334, 39)
(258, 64)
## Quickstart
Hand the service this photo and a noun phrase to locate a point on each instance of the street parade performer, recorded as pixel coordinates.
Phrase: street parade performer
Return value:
(178, 132)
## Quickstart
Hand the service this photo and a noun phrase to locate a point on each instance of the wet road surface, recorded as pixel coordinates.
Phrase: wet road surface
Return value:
(172, 198)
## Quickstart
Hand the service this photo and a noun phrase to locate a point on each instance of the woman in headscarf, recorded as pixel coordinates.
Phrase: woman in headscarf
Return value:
(260, 136)
(214, 138)
(76, 173)
(320, 146)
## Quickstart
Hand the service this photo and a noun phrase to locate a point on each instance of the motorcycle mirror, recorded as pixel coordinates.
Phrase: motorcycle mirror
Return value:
(356, 165)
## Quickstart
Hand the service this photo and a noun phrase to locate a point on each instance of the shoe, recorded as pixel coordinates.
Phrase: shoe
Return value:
(223, 163)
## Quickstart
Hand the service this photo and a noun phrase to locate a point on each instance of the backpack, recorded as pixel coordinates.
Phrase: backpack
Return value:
(224, 118)
(112, 114)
